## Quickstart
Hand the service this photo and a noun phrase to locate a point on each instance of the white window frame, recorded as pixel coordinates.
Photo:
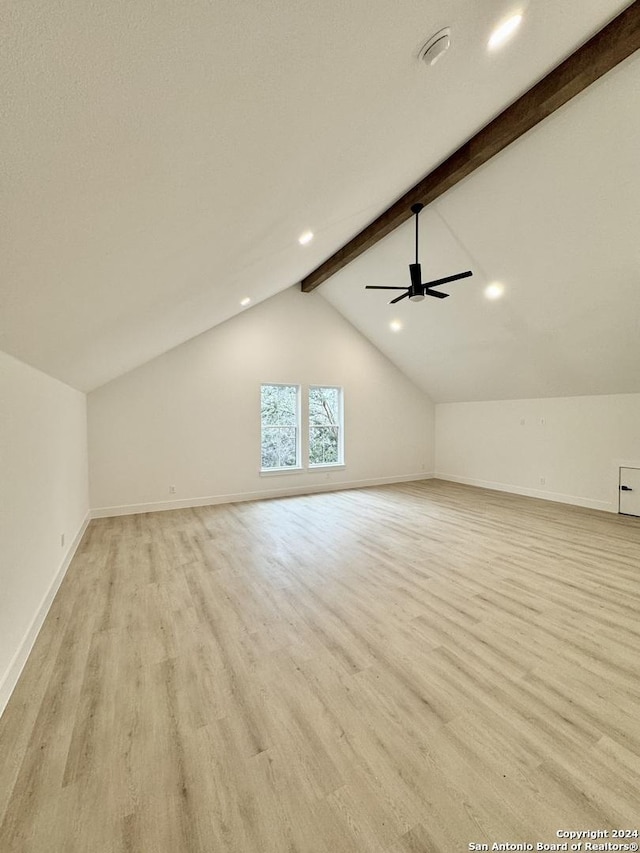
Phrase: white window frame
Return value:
(314, 466)
(287, 469)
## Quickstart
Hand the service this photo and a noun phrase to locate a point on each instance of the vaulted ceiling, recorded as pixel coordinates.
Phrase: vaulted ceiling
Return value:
(160, 160)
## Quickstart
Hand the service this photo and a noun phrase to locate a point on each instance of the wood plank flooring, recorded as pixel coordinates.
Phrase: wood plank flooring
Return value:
(408, 669)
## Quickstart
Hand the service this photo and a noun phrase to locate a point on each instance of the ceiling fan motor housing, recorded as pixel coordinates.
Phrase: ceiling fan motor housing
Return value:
(416, 290)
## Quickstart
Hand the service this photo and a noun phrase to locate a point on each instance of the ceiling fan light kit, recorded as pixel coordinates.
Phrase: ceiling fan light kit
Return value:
(418, 289)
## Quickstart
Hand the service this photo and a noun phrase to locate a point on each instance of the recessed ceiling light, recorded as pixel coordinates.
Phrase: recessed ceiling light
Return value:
(494, 291)
(504, 31)
(305, 237)
(395, 325)
(244, 302)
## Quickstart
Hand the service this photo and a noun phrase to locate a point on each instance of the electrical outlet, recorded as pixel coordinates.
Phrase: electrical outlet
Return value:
(172, 490)
(62, 540)
(522, 421)
(542, 481)
(542, 421)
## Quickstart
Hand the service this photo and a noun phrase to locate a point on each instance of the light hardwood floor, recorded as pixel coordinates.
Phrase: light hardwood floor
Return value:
(408, 669)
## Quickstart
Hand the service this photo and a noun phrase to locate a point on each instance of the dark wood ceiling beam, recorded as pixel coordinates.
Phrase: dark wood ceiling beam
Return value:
(615, 42)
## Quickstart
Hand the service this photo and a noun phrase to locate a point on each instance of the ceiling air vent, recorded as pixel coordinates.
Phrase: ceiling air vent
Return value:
(435, 47)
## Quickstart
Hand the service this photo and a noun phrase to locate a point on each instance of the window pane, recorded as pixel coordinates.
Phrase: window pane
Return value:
(323, 445)
(279, 405)
(324, 406)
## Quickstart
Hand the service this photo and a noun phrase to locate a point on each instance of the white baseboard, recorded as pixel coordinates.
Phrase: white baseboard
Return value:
(12, 674)
(159, 506)
(557, 497)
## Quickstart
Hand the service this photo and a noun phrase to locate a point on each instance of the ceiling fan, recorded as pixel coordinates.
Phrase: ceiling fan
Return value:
(418, 289)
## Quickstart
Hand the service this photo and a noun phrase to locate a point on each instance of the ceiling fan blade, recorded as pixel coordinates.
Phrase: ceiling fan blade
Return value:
(398, 298)
(448, 279)
(382, 287)
(435, 293)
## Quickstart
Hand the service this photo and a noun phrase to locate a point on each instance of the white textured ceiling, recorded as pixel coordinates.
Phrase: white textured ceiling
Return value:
(555, 219)
(160, 159)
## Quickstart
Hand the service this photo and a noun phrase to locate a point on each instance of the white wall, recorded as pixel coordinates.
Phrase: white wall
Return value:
(191, 417)
(43, 494)
(574, 443)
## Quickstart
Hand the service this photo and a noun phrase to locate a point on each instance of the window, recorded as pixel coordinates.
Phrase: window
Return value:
(280, 419)
(325, 426)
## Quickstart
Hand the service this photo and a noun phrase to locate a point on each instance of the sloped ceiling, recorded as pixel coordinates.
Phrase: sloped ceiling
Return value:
(554, 219)
(160, 160)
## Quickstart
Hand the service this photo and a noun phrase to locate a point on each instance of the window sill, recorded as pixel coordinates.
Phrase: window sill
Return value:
(328, 466)
(277, 472)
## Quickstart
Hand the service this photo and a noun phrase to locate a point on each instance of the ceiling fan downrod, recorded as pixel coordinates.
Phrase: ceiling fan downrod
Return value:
(416, 291)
